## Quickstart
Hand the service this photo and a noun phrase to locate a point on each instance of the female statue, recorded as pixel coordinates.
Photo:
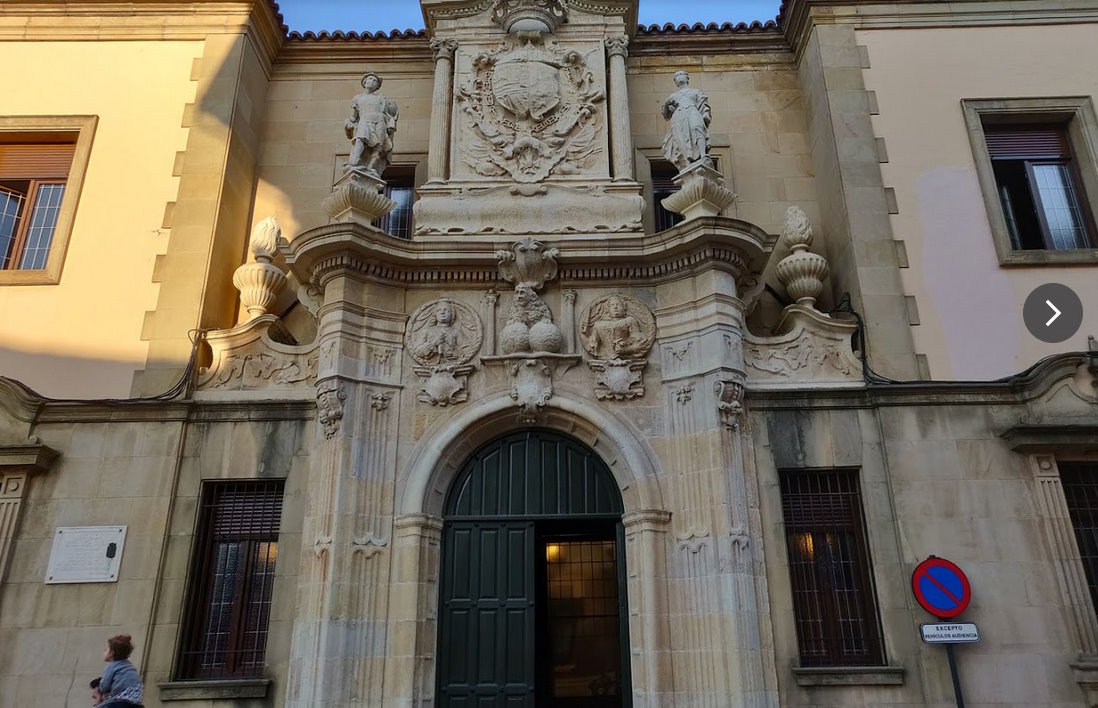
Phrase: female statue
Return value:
(687, 138)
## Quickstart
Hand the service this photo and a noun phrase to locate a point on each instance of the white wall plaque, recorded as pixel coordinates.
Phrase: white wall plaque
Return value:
(86, 554)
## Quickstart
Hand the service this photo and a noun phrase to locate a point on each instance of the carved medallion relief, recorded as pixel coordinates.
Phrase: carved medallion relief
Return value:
(618, 332)
(442, 337)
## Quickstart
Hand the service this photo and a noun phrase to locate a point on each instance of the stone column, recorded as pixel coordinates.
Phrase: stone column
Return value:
(341, 630)
(438, 151)
(646, 532)
(621, 134)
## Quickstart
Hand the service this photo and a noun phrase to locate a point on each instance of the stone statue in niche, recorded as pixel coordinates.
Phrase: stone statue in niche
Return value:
(687, 110)
(532, 110)
(618, 331)
(442, 337)
(370, 128)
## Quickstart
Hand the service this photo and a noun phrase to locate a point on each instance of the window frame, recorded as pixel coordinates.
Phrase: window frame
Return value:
(405, 173)
(1077, 115)
(193, 620)
(29, 129)
(869, 606)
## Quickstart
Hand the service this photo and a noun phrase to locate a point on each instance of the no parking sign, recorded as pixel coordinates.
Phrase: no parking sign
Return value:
(941, 588)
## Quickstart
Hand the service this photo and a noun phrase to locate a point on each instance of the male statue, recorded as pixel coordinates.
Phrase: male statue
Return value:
(687, 109)
(370, 129)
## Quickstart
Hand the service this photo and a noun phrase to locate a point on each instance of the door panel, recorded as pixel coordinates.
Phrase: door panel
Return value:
(486, 634)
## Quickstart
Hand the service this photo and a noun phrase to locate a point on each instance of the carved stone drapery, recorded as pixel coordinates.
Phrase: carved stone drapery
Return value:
(621, 135)
(618, 331)
(438, 151)
(442, 337)
(532, 109)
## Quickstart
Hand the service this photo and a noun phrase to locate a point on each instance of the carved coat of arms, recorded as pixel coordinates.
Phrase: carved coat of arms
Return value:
(533, 110)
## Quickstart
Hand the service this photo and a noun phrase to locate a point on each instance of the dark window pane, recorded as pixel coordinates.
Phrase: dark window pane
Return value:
(1080, 484)
(232, 580)
(11, 208)
(833, 604)
(663, 186)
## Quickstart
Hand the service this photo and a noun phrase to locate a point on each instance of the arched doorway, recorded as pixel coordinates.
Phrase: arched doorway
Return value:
(532, 593)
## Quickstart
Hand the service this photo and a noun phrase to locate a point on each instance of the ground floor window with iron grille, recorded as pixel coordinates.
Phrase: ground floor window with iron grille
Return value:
(1080, 484)
(829, 566)
(231, 580)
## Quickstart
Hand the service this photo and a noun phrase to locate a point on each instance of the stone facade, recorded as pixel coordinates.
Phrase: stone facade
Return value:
(701, 364)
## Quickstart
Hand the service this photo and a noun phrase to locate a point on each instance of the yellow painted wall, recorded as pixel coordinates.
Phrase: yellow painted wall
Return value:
(82, 337)
(969, 306)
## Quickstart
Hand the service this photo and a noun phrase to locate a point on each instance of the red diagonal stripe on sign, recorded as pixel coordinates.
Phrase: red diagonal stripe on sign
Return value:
(931, 578)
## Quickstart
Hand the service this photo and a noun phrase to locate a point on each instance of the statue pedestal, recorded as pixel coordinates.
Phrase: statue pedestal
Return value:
(702, 192)
(359, 198)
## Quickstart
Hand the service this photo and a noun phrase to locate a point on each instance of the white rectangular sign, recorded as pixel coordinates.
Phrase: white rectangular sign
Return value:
(950, 633)
(86, 554)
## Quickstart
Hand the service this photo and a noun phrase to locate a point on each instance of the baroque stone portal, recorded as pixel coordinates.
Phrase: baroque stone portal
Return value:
(442, 337)
(533, 110)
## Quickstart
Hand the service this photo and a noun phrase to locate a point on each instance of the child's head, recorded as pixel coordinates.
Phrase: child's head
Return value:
(119, 647)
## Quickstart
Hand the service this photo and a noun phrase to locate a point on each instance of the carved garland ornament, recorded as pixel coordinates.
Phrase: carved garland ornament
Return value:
(532, 109)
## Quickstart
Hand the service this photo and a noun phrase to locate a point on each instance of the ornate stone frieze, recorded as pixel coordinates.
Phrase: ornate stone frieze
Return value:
(256, 357)
(532, 109)
(529, 209)
(814, 349)
(330, 395)
(618, 331)
(442, 337)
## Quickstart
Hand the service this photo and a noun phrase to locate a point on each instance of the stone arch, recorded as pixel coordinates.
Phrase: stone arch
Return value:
(439, 457)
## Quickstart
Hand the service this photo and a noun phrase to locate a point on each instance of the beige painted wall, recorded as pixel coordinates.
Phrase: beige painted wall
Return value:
(81, 337)
(970, 307)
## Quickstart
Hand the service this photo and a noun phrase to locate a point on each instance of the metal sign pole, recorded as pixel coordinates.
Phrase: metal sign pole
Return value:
(956, 679)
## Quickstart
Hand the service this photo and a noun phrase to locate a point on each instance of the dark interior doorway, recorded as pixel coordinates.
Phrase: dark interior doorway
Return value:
(532, 594)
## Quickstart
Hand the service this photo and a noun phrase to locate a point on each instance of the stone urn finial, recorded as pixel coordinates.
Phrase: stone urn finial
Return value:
(801, 272)
(260, 282)
(530, 15)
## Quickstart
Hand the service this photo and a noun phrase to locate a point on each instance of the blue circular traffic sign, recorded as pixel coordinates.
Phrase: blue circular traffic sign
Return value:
(941, 587)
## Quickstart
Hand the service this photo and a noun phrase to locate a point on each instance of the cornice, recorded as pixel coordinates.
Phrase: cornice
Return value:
(177, 20)
(365, 253)
(797, 17)
(27, 458)
(708, 40)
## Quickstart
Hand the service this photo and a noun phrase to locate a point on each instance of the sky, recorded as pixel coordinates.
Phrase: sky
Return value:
(374, 15)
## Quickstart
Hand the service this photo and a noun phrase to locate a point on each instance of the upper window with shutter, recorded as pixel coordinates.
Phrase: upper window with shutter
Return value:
(1036, 166)
(42, 163)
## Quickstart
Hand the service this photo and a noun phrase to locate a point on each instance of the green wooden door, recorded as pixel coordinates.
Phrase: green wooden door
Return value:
(517, 499)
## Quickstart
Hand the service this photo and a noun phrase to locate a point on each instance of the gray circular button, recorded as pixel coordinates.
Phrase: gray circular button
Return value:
(1053, 313)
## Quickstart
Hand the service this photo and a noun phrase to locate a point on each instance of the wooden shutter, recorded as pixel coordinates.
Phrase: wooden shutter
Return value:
(1027, 142)
(50, 161)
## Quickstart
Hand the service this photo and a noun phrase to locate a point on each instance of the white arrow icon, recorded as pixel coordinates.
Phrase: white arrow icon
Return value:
(1049, 303)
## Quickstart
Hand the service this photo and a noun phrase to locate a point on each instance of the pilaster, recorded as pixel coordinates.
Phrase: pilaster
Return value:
(18, 463)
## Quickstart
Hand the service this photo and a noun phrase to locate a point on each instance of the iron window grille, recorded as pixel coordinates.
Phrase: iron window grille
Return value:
(1080, 484)
(232, 579)
(833, 599)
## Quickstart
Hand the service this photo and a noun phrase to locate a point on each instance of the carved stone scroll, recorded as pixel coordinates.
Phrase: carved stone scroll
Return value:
(255, 357)
(814, 349)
